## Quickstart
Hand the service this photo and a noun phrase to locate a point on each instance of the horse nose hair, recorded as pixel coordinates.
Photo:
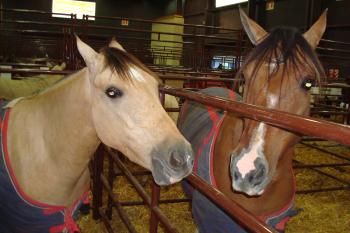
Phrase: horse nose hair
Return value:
(256, 177)
(236, 175)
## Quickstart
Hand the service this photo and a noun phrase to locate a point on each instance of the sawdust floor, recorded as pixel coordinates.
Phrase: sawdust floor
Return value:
(324, 212)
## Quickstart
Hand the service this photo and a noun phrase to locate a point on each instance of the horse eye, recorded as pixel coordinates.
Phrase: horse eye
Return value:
(307, 83)
(113, 92)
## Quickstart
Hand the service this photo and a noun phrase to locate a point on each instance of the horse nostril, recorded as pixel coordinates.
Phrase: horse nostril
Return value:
(257, 177)
(235, 175)
(191, 160)
(176, 159)
(260, 173)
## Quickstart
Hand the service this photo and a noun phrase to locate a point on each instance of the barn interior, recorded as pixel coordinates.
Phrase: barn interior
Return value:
(190, 45)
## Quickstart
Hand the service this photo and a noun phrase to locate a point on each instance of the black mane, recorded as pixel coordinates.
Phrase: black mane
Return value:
(120, 62)
(288, 46)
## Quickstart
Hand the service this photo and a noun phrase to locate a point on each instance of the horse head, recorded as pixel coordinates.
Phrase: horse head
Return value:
(128, 116)
(278, 73)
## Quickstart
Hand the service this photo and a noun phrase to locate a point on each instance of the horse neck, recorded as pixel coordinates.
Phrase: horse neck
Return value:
(63, 136)
(69, 106)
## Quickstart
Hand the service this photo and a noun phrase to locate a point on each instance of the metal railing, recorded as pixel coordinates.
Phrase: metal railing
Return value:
(294, 123)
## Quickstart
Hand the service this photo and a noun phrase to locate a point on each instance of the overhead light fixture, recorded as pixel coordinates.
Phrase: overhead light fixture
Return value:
(220, 3)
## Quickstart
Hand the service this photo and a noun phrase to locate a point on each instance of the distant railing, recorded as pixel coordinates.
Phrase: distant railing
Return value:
(291, 122)
(194, 51)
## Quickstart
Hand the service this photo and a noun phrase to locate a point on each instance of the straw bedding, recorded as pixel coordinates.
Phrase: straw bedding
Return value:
(326, 212)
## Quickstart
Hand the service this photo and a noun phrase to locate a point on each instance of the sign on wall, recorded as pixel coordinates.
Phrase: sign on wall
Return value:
(270, 5)
(124, 22)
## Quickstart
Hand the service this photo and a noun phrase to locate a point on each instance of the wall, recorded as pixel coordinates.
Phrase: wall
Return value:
(167, 50)
(286, 12)
(229, 18)
(204, 12)
(142, 9)
(338, 25)
(295, 13)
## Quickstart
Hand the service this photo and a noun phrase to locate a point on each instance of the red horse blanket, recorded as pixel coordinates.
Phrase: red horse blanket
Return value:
(200, 125)
(18, 212)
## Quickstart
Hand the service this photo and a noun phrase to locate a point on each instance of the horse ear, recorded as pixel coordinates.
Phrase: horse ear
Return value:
(89, 54)
(115, 44)
(315, 33)
(255, 33)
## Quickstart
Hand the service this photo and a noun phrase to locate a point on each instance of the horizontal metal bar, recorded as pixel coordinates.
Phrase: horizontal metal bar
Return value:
(334, 41)
(308, 191)
(333, 50)
(300, 166)
(167, 23)
(330, 112)
(134, 173)
(172, 109)
(31, 71)
(326, 151)
(202, 79)
(165, 201)
(311, 139)
(326, 174)
(34, 11)
(295, 123)
(241, 215)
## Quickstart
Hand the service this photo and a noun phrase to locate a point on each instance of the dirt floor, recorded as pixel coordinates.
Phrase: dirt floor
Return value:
(324, 212)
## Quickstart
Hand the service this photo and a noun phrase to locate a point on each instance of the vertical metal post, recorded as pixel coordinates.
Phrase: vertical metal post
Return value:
(110, 182)
(346, 117)
(64, 45)
(71, 42)
(1, 12)
(153, 225)
(162, 97)
(308, 14)
(179, 7)
(239, 45)
(253, 10)
(97, 183)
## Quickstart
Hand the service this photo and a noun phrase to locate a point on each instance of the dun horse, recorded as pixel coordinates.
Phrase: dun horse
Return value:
(250, 161)
(49, 138)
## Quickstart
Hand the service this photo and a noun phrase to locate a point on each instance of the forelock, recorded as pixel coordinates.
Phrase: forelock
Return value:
(120, 62)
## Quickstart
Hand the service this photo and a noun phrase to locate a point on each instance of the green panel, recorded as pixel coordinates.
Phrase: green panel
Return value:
(167, 48)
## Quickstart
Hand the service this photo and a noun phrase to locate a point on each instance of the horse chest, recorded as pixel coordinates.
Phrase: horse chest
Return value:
(19, 213)
(201, 126)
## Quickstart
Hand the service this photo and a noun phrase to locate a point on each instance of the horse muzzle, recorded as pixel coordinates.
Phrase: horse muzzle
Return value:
(172, 166)
(251, 181)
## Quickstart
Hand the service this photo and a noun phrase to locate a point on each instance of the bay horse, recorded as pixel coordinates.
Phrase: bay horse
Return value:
(49, 138)
(250, 161)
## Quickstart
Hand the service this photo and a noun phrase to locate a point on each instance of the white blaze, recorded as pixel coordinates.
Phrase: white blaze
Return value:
(272, 101)
(136, 74)
(272, 66)
(256, 146)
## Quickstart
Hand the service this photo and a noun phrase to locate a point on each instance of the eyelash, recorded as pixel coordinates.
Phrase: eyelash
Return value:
(113, 92)
(307, 83)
